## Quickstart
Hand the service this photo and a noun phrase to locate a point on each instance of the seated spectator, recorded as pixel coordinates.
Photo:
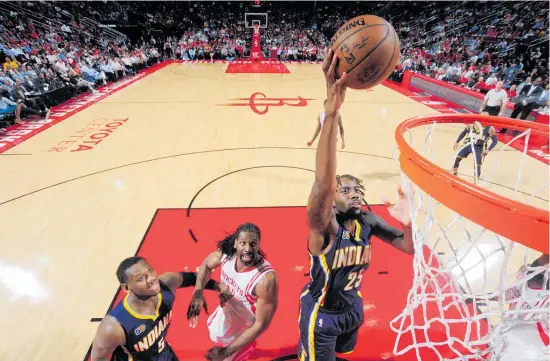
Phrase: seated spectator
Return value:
(108, 71)
(8, 107)
(29, 85)
(527, 82)
(4, 78)
(512, 92)
(21, 95)
(10, 64)
(492, 80)
(480, 84)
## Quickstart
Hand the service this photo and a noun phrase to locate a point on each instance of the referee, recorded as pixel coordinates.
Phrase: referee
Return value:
(494, 101)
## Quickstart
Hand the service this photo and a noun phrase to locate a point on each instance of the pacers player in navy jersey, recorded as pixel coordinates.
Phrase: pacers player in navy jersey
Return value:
(479, 136)
(331, 308)
(136, 328)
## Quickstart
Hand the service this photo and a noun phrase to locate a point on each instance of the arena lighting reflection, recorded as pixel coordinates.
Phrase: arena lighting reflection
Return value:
(19, 283)
(487, 257)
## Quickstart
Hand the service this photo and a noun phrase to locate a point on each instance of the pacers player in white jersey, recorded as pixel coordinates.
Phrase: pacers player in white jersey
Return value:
(529, 340)
(237, 323)
(320, 122)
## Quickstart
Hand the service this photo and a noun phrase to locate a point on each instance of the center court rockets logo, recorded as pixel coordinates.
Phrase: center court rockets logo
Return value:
(260, 104)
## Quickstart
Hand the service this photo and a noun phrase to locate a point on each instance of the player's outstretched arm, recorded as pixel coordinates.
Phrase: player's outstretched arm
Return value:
(108, 337)
(198, 301)
(402, 240)
(267, 291)
(175, 280)
(316, 133)
(341, 126)
(461, 136)
(494, 140)
(209, 264)
(320, 213)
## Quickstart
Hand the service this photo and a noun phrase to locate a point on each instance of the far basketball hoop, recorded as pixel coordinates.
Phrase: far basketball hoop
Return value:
(252, 19)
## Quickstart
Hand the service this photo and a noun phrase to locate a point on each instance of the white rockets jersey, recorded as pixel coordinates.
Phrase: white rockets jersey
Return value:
(239, 313)
(528, 299)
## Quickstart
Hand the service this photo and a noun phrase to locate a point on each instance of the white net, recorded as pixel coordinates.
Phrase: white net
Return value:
(475, 295)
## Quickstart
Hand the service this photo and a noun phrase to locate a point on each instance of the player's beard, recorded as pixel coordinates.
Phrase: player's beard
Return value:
(351, 214)
(253, 258)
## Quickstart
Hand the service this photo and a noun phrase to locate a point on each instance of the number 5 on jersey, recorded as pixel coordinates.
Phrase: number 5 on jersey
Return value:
(161, 344)
(354, 281)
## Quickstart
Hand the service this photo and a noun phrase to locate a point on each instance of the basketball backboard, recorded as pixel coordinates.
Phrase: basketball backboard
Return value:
(251, 19)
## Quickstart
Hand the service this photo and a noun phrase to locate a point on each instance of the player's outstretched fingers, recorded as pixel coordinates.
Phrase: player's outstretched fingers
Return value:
(326, 60)
(341, 83)
(332, 69)
(193, 314)
(386, 201)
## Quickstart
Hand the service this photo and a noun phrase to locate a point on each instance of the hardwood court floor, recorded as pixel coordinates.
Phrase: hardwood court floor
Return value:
(81, 195)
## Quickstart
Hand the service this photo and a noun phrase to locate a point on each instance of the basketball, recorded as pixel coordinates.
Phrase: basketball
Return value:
(367, 47)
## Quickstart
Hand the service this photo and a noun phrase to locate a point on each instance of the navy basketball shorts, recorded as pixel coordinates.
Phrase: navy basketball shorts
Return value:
(325, 333)
(478, 151)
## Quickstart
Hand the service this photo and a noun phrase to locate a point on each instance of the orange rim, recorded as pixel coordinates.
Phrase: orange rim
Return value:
(516, 221)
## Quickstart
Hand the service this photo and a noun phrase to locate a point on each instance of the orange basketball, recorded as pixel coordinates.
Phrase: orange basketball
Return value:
(367, 47)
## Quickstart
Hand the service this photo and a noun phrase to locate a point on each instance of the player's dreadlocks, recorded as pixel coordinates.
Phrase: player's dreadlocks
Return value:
(225, 246)
(359, 183)
(354, 179)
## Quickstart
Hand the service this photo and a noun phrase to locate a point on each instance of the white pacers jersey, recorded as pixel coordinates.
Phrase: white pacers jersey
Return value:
(527, 341)
(239, 313)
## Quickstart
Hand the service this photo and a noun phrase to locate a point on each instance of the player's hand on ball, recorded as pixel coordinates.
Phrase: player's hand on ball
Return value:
(336, 88)
(225, 295)
(217, 354)
(197, 302)
(400, 210)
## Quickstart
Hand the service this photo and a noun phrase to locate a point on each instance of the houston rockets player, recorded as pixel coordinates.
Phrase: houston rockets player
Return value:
(480, 136)
(320, 121)
(529, 340)
(331, 308)
(239, 321)
(135, 329)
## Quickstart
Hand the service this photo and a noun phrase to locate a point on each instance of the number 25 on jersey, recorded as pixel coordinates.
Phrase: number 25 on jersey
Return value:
(354, 280)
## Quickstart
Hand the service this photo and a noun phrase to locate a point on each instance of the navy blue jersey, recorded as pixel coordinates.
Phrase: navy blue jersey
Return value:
(336, 276)
(480, 138)
(145, 334)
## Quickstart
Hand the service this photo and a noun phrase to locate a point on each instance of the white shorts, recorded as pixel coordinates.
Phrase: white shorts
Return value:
(225, 326)
(523, 343)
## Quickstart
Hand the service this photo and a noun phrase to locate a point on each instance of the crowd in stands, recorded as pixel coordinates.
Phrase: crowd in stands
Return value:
(46, 60)
(479, 44)
(471, 44)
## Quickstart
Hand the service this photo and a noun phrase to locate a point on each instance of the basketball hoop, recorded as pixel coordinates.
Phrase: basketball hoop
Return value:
(469, 241)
